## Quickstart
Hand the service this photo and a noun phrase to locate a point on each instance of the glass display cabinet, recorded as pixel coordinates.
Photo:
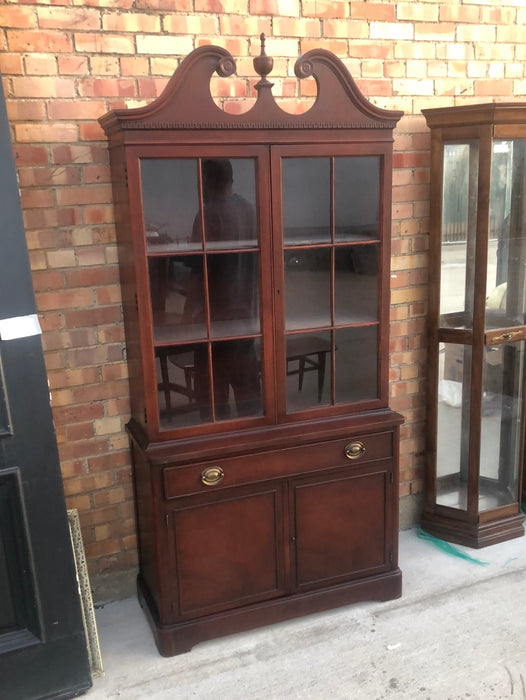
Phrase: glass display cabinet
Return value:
(254, 253)
(477, 324)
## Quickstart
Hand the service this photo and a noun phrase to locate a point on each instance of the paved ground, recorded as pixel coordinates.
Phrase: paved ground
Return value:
(459, 631)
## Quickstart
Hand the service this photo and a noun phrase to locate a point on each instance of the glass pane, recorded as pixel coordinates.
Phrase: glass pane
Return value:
(177, 298)
(308, 370)
(459, 221)
(307, 288)
(357, 198)
(454, 389)
(236, 370)
(356, 352)
(306, 200)
(356, 284)
(506, 280)
(170, 202)
(183, 377)
(233, 293)
(181, 373)
(501, 425)
(229, 195)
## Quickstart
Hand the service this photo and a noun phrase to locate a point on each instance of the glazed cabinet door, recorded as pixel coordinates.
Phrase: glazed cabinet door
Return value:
(329, 232)
(341, 525)
(202, 252)
(228, 549)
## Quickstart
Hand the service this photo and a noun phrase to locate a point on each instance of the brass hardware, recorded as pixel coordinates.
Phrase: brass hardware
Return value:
(506, 336)
(211, 476)
(354, 450)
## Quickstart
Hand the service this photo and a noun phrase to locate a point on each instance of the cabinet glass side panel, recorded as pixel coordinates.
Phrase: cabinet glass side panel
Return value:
(204, 288)
(454, 388)
(502, 409)
(459, 223)
(506, 276)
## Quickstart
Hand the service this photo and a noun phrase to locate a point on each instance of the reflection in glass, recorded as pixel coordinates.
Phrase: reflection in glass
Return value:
(306, 200)
(237, 390)
(307, 288)
(309, 369)
(459, 221)
(183, 382)
(454, 390)
(356, 353)
(173, 281)
(356, 197)
(208, 294)
(233, 293)
(506, 281)
(356, 284)
(179, 402)
(229, 216)
(170, 201)
(500, 455)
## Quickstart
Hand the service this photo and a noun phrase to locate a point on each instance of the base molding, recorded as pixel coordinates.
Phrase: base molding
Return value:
(476, 535)
(181, 637)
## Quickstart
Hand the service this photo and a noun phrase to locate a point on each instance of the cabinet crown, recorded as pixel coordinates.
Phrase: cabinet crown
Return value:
(186, 102)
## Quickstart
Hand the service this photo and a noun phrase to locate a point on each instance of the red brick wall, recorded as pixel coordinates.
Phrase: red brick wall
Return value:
(66, 62)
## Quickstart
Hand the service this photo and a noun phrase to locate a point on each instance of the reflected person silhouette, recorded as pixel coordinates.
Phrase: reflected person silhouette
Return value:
(231, 288)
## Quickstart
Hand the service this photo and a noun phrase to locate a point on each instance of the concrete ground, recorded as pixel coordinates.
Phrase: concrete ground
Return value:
(459, 631)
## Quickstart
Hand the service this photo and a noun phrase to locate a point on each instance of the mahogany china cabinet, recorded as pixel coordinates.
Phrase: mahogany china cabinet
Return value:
(254, 254)
(477, 332)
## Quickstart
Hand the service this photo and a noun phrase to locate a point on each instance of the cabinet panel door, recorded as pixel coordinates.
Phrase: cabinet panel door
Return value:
(340, 527)
(229, 552)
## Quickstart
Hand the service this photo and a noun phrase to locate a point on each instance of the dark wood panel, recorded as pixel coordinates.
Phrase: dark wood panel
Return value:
(340, 527)
(226, 551)
(179, 481)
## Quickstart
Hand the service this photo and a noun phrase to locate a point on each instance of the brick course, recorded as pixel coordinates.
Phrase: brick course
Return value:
(66, 63)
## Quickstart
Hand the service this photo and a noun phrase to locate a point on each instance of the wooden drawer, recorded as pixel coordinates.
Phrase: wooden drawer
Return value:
(254, 467)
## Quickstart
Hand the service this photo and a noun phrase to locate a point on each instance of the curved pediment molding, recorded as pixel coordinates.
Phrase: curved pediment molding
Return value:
(186, 102)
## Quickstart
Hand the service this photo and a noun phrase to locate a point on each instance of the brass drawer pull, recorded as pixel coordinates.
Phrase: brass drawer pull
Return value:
(506, 336)
(354, 450)
(211, 476)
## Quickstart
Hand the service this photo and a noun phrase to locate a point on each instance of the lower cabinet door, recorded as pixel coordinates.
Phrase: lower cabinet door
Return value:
(228, 549)
(339, 526)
